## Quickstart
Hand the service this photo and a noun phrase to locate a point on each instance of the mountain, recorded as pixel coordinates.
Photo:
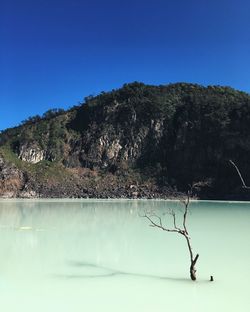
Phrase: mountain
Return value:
(136, 141)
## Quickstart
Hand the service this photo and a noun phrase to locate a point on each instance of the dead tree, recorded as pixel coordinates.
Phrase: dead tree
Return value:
(156, 221)
(239, 174)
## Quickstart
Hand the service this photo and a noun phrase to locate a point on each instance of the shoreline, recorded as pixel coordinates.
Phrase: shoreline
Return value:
(194, 199)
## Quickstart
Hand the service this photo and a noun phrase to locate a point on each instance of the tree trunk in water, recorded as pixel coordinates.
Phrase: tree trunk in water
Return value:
(192, 268)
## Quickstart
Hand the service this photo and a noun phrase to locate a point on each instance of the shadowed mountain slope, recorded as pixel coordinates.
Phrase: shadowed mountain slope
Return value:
(136, 141)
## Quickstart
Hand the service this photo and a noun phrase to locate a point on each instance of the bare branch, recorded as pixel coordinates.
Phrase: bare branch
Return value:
(157, 217)
(174, 220)
(154, 224)
(195, 259)
(238, 171)
(186, 203)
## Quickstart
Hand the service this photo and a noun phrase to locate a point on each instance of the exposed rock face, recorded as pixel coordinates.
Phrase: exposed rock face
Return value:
(157, 138)
(110, 139)
(12, 180)
(31, 153)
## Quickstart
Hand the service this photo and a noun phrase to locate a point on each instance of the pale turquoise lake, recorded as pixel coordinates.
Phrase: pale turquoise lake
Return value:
(100, 255)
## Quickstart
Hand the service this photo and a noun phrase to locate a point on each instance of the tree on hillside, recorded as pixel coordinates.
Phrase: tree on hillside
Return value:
(53, 113)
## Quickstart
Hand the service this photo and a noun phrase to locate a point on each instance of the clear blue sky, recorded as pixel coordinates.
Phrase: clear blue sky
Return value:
(53, 53)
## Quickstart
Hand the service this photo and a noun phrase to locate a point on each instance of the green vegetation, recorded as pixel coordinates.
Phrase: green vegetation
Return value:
(172, 134)
(41, 171)
(7, 153)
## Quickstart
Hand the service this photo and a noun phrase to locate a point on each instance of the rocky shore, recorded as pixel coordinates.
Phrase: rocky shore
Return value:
(15, 183)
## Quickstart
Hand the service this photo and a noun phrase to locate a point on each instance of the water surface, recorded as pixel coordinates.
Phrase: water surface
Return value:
(100, 255)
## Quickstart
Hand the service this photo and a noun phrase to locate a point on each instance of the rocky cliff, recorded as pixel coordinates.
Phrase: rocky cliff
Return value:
(137, 141)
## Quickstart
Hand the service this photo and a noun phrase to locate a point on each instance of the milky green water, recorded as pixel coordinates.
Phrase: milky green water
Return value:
(100, 255)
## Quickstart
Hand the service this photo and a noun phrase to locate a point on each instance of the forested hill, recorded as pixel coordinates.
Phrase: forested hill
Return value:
(136, 141)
